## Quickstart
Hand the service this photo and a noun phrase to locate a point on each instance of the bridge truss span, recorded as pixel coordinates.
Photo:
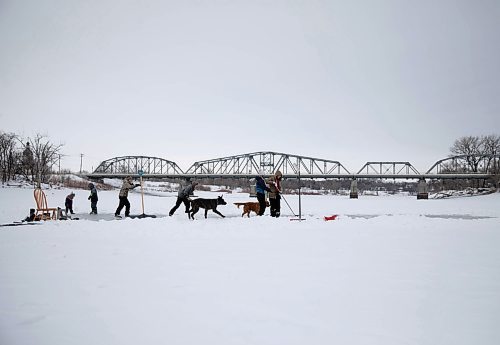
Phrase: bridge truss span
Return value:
(269, 163)
(486, 164)
(388, 168)
(130, 165)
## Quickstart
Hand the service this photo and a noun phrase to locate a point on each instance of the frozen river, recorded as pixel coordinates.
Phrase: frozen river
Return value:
(388, 270)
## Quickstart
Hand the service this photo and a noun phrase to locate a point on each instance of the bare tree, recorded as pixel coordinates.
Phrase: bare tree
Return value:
(470, 147)
(480, 154)
(491, 146)
(44, 154)
(8, 156)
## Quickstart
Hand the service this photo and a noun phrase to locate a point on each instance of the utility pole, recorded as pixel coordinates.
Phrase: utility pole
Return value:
(300, 203)
(59, 164)
(81, 161)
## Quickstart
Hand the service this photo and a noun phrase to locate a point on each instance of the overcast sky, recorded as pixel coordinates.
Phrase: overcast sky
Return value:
(352, 81)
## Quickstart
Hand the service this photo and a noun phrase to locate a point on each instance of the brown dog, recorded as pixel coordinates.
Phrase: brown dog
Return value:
(250, 206)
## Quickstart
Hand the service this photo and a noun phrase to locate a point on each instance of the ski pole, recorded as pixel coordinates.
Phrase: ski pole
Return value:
(288, 205)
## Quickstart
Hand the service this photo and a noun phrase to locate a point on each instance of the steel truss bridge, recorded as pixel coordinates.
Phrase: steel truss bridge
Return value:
(130, 165)
(293, 166)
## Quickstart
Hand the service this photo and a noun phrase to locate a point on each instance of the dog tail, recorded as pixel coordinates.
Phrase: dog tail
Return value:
(239, 204)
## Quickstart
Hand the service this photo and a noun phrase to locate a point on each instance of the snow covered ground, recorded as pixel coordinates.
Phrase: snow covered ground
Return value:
(389, 270)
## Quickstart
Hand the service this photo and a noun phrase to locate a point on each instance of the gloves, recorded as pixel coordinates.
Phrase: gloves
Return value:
(89, 197)
(137, 184)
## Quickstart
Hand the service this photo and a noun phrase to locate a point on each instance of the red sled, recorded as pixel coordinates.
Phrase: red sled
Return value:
(331, 217)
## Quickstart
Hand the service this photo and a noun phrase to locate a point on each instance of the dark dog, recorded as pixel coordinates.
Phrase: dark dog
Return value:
(207, 204)
(249, 207)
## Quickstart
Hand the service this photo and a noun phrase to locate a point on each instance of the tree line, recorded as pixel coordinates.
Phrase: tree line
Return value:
(480, 154)
(476, 154)
(32, 158)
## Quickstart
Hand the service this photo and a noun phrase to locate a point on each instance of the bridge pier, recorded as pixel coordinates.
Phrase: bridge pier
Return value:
(354, 189)
(422, 190)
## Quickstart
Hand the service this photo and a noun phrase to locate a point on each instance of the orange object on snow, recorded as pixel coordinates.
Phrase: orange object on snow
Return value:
(331, 217)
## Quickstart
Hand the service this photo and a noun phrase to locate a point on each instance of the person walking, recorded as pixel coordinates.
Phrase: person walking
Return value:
(69, 203)
(93, 198)
(183, 197)
(274, 183)
(123, 196)
(260, 190)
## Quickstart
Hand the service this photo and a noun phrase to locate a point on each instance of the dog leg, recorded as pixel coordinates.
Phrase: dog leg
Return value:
(206, 212)
(220, 214)
(194, 209)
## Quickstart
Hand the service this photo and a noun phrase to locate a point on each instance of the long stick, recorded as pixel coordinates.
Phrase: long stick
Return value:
(142, 197)
(288, 205)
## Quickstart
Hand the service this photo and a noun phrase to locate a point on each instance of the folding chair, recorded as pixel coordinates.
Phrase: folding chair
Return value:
(43, 212)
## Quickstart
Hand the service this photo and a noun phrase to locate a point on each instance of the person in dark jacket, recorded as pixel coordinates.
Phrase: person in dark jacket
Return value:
(123, 196)
(260, 189)
(274, 183)
(69, 203)
(183, 197)
(93, 198)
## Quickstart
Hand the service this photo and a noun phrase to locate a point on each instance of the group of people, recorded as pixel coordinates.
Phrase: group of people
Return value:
(122, 196)
(68, 203)
(272, 185)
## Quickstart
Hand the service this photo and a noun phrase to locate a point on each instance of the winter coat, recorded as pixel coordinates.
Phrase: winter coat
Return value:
(93, 193)
(126, 186)
(260, 185)
(69, 202)
(187, 191)
(274, 183)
